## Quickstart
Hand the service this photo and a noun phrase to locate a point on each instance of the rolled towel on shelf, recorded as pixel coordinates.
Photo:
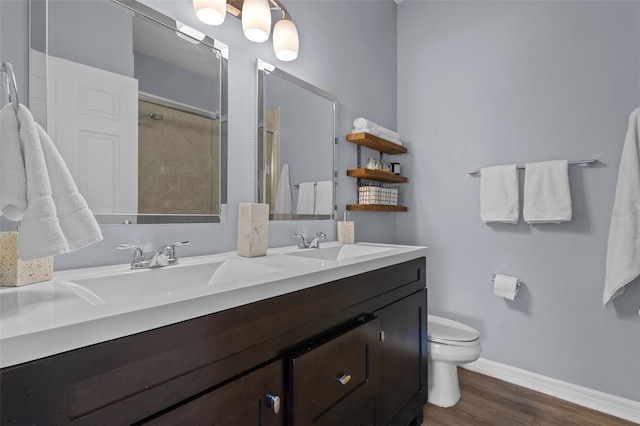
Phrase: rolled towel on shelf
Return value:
(547, 197)
(362, 124)
(499, 194)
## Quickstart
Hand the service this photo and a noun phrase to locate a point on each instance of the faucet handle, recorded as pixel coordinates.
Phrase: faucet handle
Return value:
(321, 235)
(302, 242)
(173, 247)
(138, 254)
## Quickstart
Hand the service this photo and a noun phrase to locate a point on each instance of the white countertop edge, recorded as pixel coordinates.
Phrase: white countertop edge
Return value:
(99, 324)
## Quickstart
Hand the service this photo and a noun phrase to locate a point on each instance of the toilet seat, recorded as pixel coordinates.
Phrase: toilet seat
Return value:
(448, 332)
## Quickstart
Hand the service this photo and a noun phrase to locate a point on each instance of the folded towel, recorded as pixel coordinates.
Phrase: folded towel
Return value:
(13, 179)
(306, 198)
(360, 124)
(623, 249)
(57, 219)
(324, 197)
(283, 198)
(499, 194)
(547, 198)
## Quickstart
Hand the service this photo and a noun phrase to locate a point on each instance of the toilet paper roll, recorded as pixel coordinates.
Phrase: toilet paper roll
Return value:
(505, 286)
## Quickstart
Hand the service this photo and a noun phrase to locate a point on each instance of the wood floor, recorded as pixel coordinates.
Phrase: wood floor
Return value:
(488, 401)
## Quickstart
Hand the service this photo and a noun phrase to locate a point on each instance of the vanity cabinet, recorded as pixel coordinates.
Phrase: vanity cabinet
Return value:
(229, 367)
(383, 146)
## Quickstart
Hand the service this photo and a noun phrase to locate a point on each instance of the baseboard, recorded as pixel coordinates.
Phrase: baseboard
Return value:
(589, 398)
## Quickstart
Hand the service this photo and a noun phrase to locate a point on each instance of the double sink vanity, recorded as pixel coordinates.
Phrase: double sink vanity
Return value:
(331, 335)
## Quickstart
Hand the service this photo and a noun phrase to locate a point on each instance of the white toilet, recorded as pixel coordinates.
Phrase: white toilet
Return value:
(450, 344)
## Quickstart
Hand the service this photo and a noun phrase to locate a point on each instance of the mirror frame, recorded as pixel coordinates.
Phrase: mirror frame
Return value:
(264, 68)
(219, 49)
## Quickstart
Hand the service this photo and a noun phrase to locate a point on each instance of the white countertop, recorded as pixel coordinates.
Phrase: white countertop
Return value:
(48, 318)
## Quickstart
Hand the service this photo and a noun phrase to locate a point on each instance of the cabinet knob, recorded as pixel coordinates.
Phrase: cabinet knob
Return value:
(273, 402)
(343, 378)
(382, 336)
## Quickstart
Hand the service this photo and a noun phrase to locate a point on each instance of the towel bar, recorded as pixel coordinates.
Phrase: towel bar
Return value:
(571, 163)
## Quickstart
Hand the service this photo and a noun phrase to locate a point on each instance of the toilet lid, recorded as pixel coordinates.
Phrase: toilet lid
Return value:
(443, 330)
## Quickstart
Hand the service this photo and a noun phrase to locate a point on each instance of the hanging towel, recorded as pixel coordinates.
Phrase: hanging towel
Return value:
(547, 198)
(13, 180)
(57, 219)
(623, 249)
(283, 198)
(306, 198)
(324, 197)
(499, 194)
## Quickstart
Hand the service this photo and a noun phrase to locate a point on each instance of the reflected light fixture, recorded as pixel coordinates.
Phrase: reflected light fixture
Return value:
(256, 22)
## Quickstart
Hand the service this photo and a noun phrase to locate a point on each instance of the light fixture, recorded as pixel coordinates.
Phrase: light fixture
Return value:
(256, 22)
(285, 40)
(210, 12)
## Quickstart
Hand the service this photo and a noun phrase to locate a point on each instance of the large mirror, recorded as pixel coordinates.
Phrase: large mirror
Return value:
(297, 147)
(136, 104)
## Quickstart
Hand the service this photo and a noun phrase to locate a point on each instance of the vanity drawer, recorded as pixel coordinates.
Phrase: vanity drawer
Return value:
(323, 376)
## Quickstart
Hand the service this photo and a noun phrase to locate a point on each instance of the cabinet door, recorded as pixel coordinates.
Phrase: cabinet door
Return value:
(335, 382)
(253, 399)
(403, 385)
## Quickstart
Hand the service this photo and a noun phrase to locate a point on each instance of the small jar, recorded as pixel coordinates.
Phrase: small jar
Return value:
(395, 168)
(386, 166)
(372, 164)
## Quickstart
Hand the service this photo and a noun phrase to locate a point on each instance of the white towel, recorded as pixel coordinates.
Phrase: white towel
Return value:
(57, 219)
(547, 198)
(283, 198)
(13, 180)
(623, 249)
(499, 194)
(306, 198)
(379, 134)
(324, 197)
(361, 124)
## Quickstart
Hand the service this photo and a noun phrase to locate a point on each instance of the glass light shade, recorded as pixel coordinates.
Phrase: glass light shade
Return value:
(285, 40)
(211, 12)
(256, 20)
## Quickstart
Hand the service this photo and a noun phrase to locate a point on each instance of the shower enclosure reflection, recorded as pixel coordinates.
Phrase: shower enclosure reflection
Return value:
(134, 106)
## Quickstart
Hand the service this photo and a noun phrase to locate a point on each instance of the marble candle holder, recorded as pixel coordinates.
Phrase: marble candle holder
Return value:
(14, 271)
(253, 227)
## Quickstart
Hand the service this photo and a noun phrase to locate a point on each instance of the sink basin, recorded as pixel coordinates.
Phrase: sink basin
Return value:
(39, 300)
(339, 252)
(135, 284)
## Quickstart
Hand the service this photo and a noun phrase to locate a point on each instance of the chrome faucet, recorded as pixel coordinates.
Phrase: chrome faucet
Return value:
(313, 243)
(166, 256)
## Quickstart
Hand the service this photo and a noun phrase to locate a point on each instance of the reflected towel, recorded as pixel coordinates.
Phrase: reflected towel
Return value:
(499, 194)
(306, 198)
(547, 198)
(13, 179)
(324, 197)
(623, 249)
(57, 219)
(283, 198)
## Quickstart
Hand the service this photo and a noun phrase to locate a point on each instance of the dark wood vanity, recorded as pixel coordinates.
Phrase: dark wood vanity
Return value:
(351, 351)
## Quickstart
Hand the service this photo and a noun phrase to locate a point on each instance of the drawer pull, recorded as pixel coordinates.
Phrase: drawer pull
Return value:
(344, 378)
(273, 402)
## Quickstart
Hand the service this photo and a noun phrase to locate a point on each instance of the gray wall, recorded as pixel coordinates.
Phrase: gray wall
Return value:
(324, 61)
(487, 83)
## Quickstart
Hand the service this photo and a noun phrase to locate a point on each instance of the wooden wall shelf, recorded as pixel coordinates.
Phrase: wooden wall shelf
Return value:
(378, 175)
(375, 208)
(374, 142)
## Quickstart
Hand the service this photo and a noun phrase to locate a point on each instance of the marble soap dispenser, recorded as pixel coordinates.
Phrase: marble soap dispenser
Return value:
(253, 226)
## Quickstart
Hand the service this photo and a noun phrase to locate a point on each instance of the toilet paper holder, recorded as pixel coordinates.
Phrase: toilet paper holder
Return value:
(493, 278)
